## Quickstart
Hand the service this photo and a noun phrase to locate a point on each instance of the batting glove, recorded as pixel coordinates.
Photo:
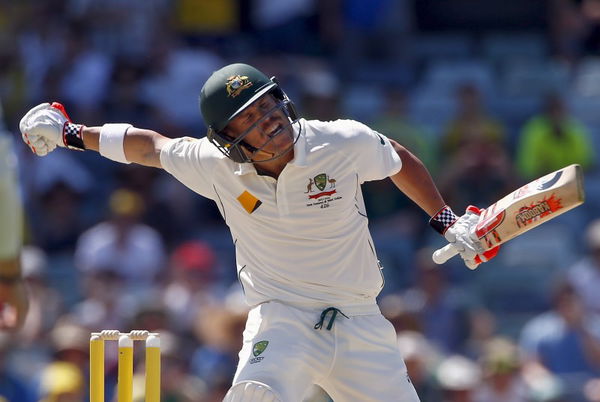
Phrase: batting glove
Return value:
(460, 233)
(47, 126)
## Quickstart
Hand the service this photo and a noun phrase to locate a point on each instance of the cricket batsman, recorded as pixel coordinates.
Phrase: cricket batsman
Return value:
(290, 191)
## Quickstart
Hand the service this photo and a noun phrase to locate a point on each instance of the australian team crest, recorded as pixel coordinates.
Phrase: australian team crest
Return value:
(259, 347)
(325, 186)
(236, 84)
(257, 350)
(320, 181)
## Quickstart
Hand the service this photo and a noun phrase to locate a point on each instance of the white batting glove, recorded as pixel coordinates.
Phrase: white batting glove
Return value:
(462, 238)
(47, 126)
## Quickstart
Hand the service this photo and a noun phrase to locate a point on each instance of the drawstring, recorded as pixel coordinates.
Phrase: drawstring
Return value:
(319, 325)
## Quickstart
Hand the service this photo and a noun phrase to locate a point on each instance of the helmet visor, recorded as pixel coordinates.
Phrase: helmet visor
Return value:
(278, 138)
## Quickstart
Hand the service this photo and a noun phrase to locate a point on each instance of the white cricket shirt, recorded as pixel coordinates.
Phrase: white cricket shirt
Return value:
(303, 238)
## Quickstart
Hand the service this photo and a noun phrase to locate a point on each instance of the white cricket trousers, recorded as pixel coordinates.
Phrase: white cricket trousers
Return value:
(357, 359)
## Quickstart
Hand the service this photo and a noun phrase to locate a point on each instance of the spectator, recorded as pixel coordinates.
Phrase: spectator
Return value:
(552, 140)
(171, 86)
(472, 124)
(45, 303)
(70, 342)
(420, 357)
(105, 303)
(395, 122)
(42, 44)
(12, 386)
(125, 102)
(177, 382)
(501, 373)
(564, 341)
(57, 230)
(458, 377)
(320, 92)
(121, 28)
(278, 26)
(58, 186)
(123, 244)
(441, 310)
(192, 283)
(62, 382)
(360, 32)
(219, 331)
(478, 169)
(584, 275)
(83, 69)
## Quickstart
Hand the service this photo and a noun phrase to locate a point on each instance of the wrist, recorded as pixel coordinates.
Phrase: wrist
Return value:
(72, 136)
(443, 219)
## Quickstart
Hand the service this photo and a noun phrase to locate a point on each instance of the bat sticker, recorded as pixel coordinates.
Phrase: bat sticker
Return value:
(537, 210)
(547, 184)
(540, 185)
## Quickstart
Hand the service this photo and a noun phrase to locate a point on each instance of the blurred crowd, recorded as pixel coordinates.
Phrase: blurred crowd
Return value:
(112, 246)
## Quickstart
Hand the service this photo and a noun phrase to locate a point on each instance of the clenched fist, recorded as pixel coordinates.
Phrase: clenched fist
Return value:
(463, 241)
(47, 126)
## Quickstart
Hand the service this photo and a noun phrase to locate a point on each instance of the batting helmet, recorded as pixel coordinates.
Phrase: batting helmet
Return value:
(226, 93)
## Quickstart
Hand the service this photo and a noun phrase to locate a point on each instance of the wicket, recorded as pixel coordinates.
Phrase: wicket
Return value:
(125, 364)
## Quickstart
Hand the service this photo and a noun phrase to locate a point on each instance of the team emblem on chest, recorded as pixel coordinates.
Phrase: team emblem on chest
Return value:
(321, 190)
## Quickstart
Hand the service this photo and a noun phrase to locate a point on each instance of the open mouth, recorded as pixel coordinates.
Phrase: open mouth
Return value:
(274, 129)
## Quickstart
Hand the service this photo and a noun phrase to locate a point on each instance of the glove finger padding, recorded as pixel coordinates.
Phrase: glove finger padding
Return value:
(61, 109)
(471, 263)
(25, 122)
(487, 255)
(38, 145)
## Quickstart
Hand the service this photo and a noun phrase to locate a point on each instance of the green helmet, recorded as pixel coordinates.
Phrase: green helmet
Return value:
(229, 90)
(226, 93)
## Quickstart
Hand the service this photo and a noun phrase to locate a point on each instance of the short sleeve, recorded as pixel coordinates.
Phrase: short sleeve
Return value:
(188, 160)
(372, 153)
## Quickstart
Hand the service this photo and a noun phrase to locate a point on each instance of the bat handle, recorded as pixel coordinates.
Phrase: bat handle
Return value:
(444, 254)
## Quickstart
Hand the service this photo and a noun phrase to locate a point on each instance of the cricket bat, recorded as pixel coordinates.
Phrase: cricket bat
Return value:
(525, 208)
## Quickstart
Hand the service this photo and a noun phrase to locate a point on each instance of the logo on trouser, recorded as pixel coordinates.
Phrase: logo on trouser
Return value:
(257, 350)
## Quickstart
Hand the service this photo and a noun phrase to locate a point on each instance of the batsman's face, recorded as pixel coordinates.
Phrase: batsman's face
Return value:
(265, 126)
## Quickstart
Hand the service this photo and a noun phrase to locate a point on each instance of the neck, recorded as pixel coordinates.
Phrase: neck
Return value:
(275, 167)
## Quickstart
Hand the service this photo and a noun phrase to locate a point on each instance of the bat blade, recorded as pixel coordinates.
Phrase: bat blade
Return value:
(531, 205)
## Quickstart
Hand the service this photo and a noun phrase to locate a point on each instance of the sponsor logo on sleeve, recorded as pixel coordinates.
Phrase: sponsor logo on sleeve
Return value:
(257, 350)
(249, 202)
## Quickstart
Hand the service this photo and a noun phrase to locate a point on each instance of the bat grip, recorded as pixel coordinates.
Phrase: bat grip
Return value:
(444, 254)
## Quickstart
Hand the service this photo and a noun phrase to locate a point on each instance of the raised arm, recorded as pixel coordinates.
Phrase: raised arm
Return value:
(415, 181)
(141, 146)
(47, 126)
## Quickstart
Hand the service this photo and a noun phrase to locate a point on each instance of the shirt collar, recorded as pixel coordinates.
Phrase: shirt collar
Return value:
(299, 159)
(300, 146)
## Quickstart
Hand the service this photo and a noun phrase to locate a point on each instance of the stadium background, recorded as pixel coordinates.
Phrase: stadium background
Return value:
(465, 84)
